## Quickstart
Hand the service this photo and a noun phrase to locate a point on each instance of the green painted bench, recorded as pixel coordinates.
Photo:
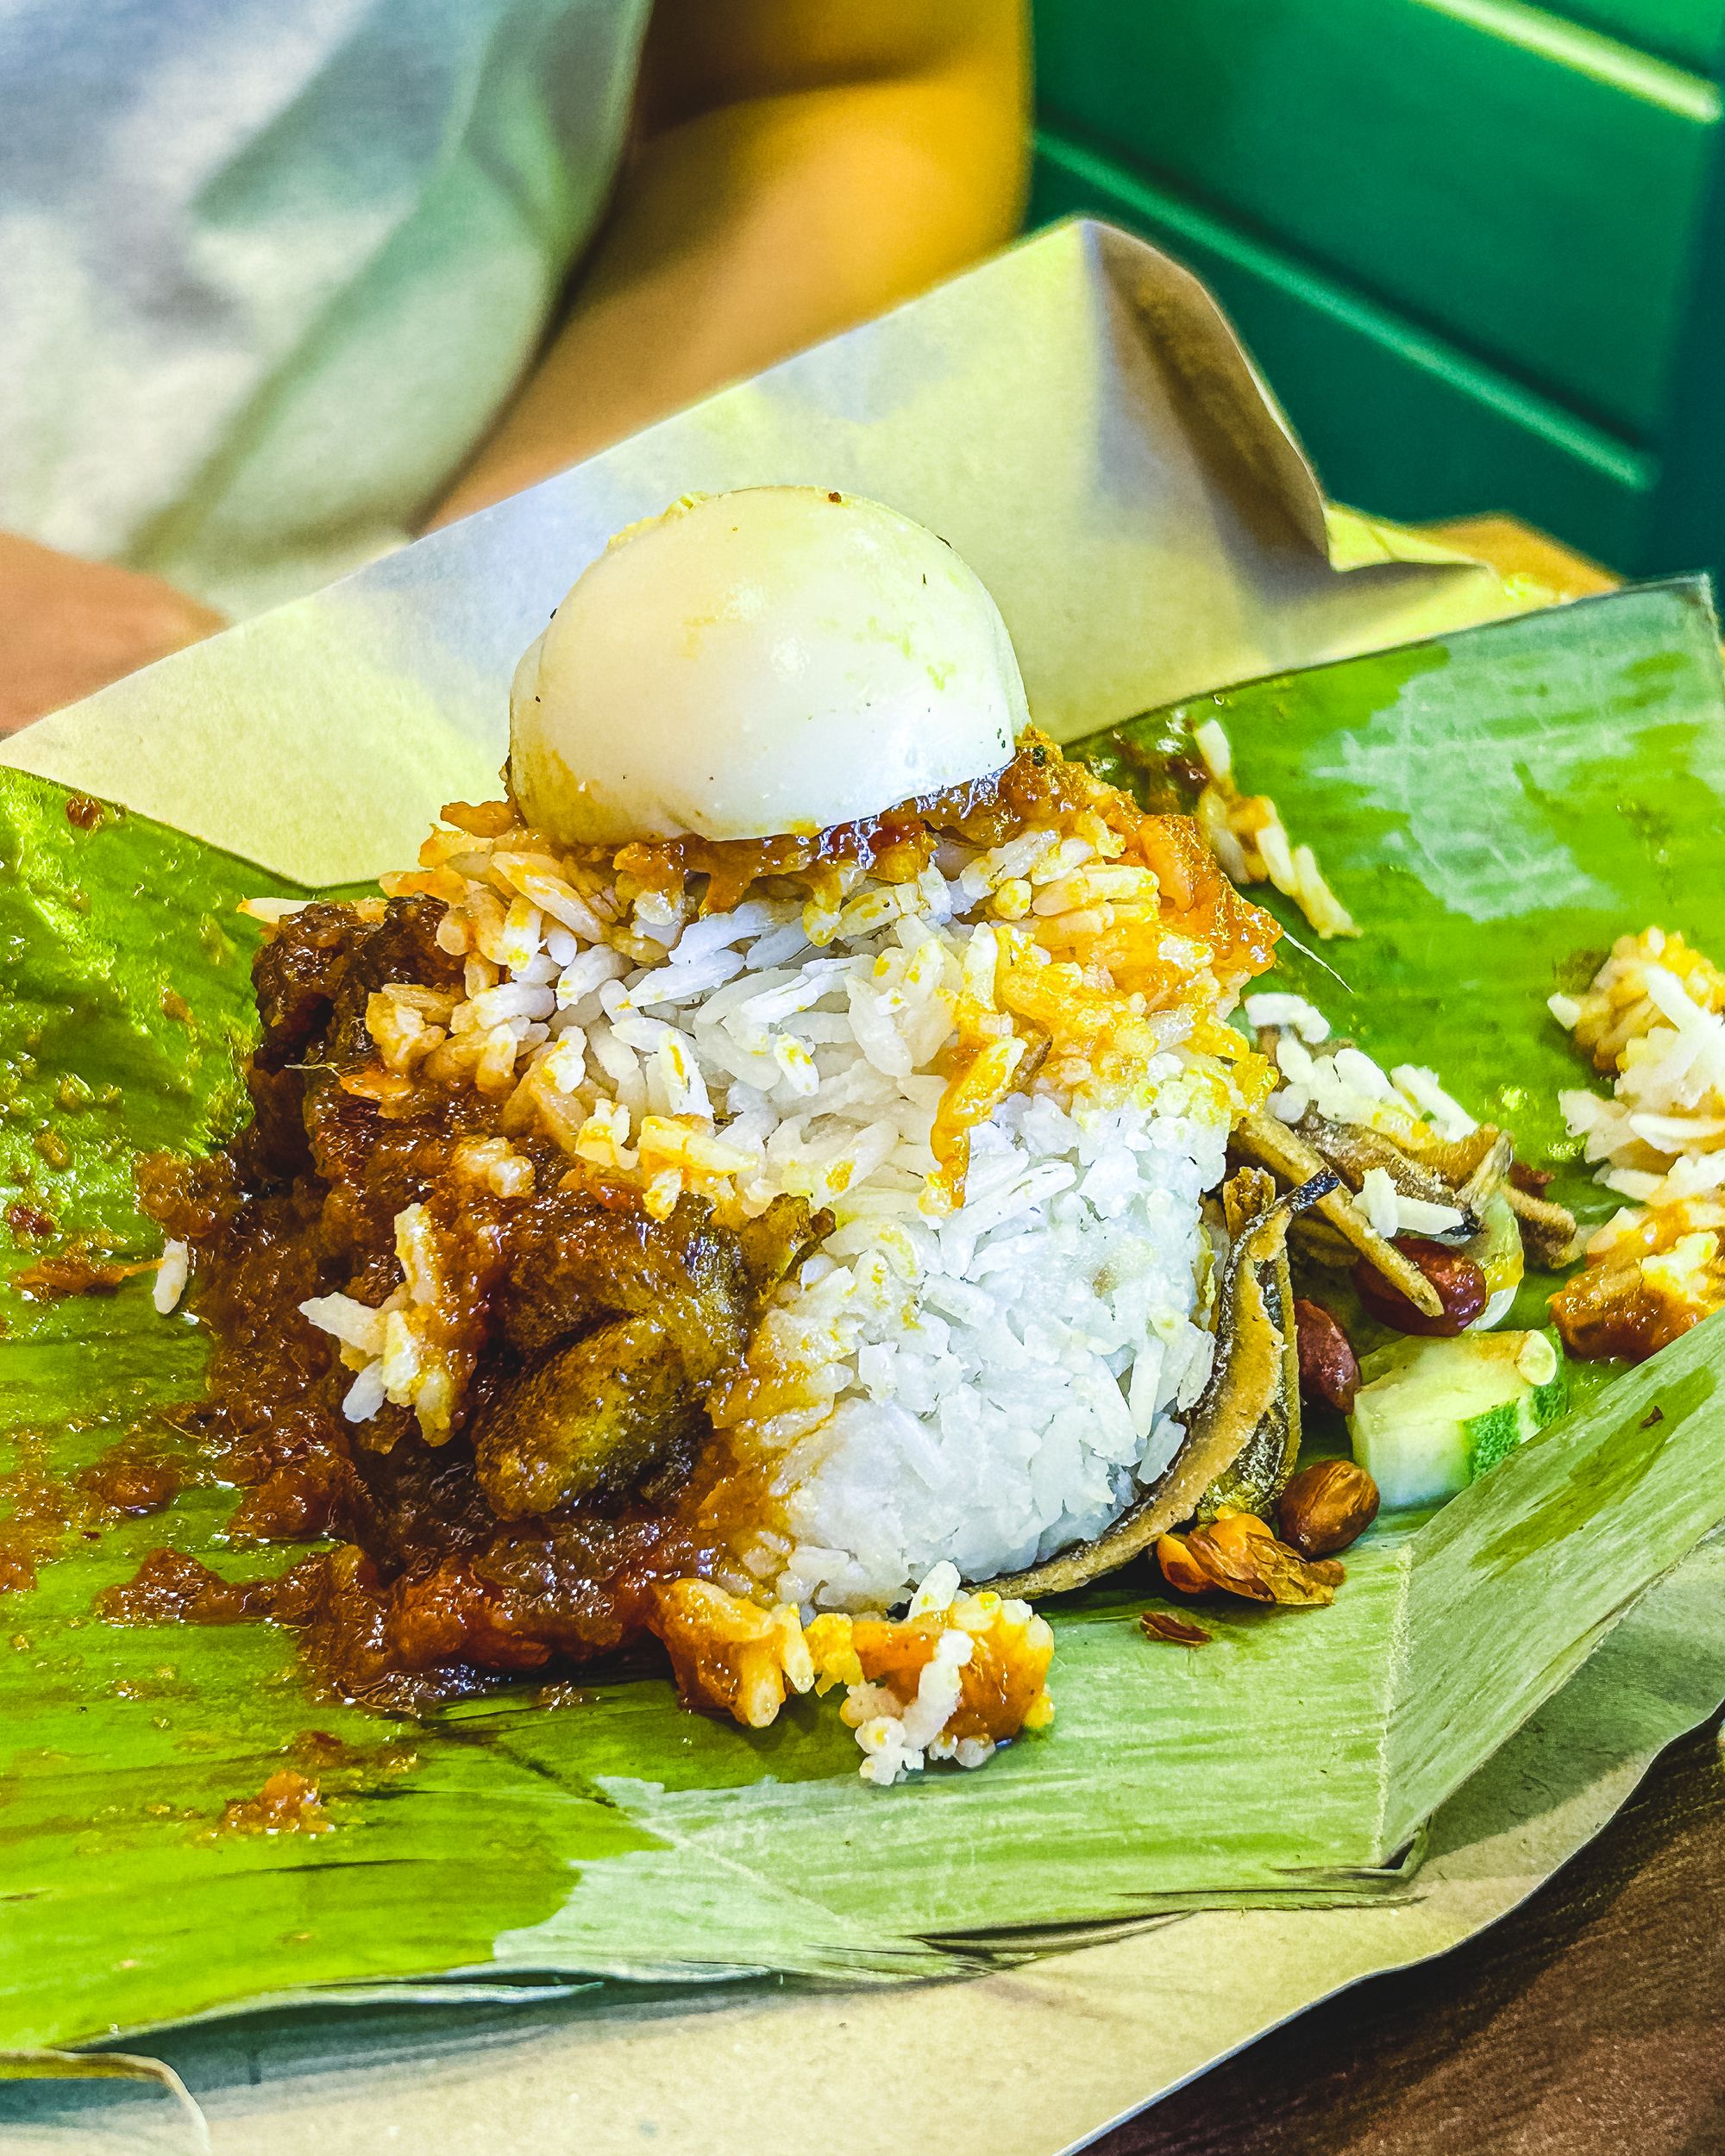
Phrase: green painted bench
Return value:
(1476, 245)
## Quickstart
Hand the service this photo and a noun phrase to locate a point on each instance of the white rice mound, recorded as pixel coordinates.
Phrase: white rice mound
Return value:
(978, 1389)
(991, 1386)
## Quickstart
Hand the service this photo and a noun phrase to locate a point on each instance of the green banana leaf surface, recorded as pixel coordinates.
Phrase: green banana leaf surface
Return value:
(1494, 807)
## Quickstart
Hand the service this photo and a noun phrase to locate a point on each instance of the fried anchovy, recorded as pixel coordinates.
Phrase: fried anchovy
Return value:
(1491, 1174)
(1353, 1152)
(1548, 1229)
(1459, 1160)
(1248, 1380)
(1264, 1139)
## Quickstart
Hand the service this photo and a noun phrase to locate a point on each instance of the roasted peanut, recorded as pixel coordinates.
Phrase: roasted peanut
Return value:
(1326, 1506)
(1458, 1283)
(1328, 1371)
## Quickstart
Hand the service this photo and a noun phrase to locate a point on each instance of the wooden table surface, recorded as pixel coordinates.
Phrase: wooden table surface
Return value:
(1592, 2019)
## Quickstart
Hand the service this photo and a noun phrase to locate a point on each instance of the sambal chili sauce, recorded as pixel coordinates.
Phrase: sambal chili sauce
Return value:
(429, 1587)
(430, 1590)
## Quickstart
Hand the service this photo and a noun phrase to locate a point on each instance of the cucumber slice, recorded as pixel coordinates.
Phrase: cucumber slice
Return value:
(1433, 1416)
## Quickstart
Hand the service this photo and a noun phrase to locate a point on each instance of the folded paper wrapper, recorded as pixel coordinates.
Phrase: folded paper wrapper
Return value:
(1075, 417)
(1078, 420)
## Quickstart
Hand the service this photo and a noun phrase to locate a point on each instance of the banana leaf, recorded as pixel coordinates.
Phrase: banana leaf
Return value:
(1494, 806)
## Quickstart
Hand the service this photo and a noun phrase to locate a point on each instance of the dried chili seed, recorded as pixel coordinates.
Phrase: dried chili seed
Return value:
(1241, 1554)
(1458, 1283)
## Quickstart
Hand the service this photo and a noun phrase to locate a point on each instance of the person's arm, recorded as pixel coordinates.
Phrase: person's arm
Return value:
(68, 627)
(803, 165)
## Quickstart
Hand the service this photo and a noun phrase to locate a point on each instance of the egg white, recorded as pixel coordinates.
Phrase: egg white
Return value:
(776, 660)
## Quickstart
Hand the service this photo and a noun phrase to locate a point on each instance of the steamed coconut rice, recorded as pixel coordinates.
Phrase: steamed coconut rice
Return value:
(901, 1139)
(975, 1383)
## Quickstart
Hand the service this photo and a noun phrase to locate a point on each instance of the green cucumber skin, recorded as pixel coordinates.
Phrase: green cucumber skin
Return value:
(1495, 1434)
(1551, 1400)
(1423, 1460)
